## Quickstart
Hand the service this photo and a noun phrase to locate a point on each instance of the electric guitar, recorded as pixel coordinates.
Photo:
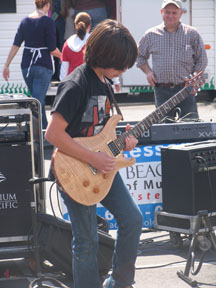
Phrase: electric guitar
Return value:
(85, 184)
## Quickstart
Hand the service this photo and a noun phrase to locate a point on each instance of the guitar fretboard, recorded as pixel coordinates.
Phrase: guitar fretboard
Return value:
(155, 117)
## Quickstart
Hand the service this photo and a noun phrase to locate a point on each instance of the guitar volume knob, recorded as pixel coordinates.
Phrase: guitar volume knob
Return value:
(86, 183)
(96, 190)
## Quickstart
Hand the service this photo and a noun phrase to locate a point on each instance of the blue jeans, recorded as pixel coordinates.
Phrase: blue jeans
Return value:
(38, 82)
(188, 107)
(85, 239)
(97, 15)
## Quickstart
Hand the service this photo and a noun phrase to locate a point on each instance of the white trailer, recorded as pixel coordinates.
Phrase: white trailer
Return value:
(138, 16)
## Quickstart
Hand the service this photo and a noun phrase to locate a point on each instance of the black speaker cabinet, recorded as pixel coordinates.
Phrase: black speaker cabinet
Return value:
(189, 177)
(15, 209)
(55, 237)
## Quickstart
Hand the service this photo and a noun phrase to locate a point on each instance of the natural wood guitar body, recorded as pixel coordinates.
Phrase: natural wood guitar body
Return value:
(77, 179)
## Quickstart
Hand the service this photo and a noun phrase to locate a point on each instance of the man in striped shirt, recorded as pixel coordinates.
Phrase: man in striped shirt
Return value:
(177, 51)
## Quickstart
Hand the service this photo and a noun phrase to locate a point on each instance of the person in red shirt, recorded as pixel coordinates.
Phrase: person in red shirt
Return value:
(72, 52)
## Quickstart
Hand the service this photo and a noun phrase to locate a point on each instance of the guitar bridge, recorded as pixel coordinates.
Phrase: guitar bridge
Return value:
(113, 148)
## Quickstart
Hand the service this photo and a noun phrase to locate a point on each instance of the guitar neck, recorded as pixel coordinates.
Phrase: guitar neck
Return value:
(155, 117)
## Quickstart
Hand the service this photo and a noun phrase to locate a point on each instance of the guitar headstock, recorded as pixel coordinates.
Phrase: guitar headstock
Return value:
(195, 81)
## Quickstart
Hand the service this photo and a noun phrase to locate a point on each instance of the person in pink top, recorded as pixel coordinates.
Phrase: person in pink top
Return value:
(72, 52)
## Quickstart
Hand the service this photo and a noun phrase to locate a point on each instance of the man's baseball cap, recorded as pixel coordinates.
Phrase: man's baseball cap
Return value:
(177, 3)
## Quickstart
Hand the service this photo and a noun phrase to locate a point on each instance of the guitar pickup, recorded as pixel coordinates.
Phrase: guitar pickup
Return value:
(113, 148)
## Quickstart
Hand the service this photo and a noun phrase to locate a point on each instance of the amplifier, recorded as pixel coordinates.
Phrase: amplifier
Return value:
(13, 136)
(14, 118)
(189, 177)
(174, 132)
(14, 125)
(14, 115)
(15, 192)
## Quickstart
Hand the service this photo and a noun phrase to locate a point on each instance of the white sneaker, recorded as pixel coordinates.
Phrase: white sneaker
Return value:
(108, 283)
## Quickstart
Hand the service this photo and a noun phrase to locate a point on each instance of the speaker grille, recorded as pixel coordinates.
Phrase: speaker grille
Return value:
(15, 191)
(189, 178)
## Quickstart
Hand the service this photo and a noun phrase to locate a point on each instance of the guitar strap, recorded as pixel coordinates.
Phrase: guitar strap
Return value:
(113, 98)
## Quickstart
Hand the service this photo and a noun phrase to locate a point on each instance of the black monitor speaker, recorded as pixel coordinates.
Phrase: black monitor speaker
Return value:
(55, 236)
(189, 178)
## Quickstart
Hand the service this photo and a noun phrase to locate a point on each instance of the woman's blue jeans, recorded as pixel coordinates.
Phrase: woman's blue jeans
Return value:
(85, 239)
(38, 82)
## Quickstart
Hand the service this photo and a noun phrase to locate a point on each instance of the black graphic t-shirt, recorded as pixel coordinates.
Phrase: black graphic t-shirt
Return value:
(83, 101)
